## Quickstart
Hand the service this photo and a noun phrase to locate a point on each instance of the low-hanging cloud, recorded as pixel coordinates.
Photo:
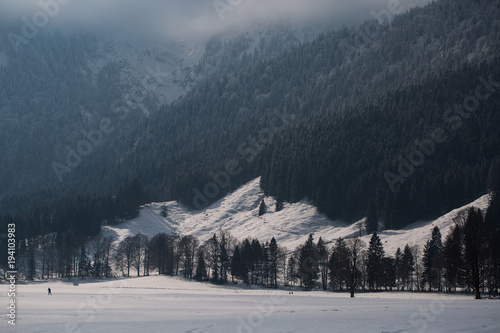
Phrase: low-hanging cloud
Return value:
(181, 18)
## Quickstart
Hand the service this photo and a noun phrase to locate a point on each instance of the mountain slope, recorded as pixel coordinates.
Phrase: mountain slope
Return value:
(163, 68)
(341, 77)
(60, 86)
(409, 65)
(238, 214)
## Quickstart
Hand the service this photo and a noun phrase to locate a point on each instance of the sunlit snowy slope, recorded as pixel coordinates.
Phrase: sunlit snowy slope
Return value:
(238, 214)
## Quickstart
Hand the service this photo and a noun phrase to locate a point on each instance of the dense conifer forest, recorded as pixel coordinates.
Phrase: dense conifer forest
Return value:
(398, 120)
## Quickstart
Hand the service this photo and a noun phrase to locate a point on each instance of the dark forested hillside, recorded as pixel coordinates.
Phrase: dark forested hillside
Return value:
(49, 104)
(423, 63)
(58, 88)
(31, 89)
(327, 119)
(415, 152)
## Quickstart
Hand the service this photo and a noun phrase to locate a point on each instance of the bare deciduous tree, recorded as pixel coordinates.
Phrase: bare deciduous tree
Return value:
(356, 246)
(187, 246)
(140, 244)
(125, 254)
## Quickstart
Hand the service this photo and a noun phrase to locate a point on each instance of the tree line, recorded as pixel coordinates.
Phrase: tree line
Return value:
(467, 260)
(70, 222)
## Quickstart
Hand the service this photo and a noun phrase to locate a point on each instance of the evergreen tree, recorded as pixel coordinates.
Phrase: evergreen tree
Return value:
(128, 200)
(246, 253)
(493, 270)
(432, 260)
(308, 264)
(31, 263)
(374, 262)
(274, 257)
(164, 211)
(236, 263)
(493, 212)
(398, 267)
(279, 205)
(201, 270)
(408, 266)
(438, 258)
(255, 261)
(494, 176)
(427, 276)
(452, 259)
(83, 263)
(471, 224)
(388, 273)
(371, 223)
(338, 265)
(262, 208)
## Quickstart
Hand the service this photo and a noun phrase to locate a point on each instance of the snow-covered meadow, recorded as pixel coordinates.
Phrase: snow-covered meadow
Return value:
(164, 304)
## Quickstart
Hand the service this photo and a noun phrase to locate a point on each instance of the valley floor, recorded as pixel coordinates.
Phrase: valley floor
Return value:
(164, 304)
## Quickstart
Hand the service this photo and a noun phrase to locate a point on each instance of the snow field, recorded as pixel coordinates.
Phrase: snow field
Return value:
(165, 304)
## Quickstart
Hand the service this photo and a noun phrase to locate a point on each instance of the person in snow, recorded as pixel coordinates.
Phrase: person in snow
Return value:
(49, 291)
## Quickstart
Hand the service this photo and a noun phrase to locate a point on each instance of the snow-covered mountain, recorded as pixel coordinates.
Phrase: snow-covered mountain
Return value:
(238, 213)
(168, 68)
(84, 77)
(164, 68)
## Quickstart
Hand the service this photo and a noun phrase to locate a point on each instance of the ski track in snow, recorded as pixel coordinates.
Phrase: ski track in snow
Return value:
(238, 214)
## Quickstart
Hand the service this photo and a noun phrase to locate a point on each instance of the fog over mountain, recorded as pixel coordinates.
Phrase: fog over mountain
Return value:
(193, 17)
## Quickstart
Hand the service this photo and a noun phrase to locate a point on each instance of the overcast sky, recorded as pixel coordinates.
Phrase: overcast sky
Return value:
(190, 17)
